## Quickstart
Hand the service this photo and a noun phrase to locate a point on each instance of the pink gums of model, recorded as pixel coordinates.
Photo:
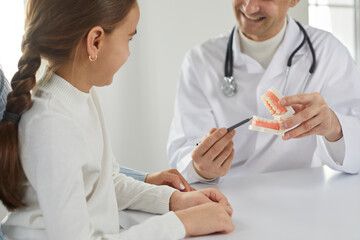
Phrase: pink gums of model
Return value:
(279, 113)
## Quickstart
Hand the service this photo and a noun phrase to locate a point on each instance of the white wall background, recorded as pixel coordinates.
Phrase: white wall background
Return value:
(12, 15)
(138, 106)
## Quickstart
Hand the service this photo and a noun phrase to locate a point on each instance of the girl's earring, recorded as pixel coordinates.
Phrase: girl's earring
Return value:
(92, 59)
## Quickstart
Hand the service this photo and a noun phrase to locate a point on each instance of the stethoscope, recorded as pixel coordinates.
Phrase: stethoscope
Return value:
(229, 87)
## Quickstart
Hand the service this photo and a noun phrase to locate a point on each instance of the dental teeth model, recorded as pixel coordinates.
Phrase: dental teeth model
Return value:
(279, 113)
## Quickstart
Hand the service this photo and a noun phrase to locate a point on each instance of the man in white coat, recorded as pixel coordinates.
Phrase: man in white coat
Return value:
(324, 129)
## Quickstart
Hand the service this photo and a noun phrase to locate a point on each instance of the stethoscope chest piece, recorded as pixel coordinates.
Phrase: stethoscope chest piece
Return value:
(228, 86)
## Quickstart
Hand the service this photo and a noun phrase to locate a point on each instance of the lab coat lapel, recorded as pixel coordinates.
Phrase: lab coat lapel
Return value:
(243, 61)
(278, 64)
(240, 61)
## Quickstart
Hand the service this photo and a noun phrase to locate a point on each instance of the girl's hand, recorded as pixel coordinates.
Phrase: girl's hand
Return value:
(184, 200)
(206, 218)
(171, 178)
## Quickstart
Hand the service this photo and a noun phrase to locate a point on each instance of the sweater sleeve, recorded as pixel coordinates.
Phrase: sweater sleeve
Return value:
(136, 195)
(53, 158)
(167, 227)
(137, 175)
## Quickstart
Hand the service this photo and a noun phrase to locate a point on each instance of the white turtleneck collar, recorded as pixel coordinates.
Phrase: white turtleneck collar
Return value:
(262, 51)
(61, 89)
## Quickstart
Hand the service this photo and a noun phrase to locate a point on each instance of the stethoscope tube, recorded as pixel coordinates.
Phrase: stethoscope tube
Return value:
(229, 56)
(313, 64)
(229, 86)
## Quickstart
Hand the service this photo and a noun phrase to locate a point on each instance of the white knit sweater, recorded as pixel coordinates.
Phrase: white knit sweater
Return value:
(74, 189)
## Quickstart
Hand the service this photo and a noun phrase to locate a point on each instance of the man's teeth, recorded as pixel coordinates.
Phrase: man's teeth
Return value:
(252, 18)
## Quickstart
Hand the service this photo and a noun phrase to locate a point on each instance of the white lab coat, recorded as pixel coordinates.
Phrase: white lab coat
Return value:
(200, 104)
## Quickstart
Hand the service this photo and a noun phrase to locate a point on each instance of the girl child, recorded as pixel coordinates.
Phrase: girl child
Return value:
(58, 176)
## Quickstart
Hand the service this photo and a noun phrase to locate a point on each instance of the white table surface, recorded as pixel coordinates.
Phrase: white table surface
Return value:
(306, 204)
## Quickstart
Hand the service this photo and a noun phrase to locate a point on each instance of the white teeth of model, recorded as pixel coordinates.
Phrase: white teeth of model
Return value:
(269, 105)
(273, 106)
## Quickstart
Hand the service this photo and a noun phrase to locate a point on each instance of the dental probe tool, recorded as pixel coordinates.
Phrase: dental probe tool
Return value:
(235, 126)
(239, 124)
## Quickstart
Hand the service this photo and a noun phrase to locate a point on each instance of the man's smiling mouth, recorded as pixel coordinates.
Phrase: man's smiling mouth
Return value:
(252, 18)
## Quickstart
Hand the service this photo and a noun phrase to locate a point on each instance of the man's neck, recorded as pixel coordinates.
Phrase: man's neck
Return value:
(262, 51)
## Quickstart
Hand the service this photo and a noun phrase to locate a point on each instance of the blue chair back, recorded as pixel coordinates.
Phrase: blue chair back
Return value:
(4, 89)
(1, 235)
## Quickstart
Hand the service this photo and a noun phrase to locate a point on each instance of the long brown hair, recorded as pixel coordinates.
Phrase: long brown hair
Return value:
(53, 30)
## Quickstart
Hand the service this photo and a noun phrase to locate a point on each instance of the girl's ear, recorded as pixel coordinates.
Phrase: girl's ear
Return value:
(94, 41)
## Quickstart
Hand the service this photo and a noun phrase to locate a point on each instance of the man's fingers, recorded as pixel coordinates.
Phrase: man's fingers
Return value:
(300, 117)
(313, 117)
(227, 163)
(303, 98)
(298, 107)
(221, 158)
(311, 132)
(208, 134)
(305, 127)
(203, 156)
(219, 146)
(212, 131)
(209, 141)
